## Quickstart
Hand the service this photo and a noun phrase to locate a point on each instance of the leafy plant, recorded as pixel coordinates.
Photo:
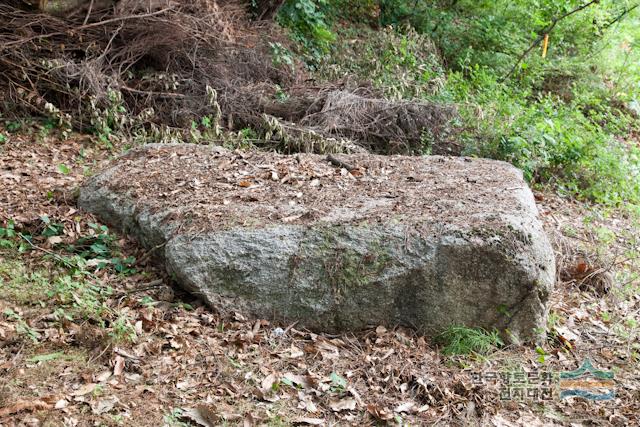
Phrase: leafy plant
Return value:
(63, 169)
(13, 126)
(281, 55)
(22, 327)
(100, 246)
(7, 235)
(307, 23)
(123, 330)
(78, 298)
(50, 229)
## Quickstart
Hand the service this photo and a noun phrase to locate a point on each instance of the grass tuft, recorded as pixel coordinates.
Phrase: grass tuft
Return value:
(460, 340)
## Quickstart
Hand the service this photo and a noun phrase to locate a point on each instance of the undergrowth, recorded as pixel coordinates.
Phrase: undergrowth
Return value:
(64, 285)
(569, 120)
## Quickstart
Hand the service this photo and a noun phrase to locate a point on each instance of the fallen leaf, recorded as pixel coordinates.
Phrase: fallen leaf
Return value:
(54, 240)
(347, 404)
(379, 413)
(408, 407)
(85, 389)
(61, 404)
(23, 405)
(118, 366)
(381, 330)
(186, 384)
(582, 267)
(204, 415)
(295, 352)
(248, 421)
(104, 406)
(268, 382)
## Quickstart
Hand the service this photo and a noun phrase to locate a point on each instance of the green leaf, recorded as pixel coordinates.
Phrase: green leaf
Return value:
(63, 169)
(337, 380)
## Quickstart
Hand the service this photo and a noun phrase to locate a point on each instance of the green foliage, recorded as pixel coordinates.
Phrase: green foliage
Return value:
(71, 296)
(7, 235)
(63, 169)
(122, 329)
(306, 21)
(50, 228)
(572, 144)
(281, 55)
(13, 126)
(22, 328)
(100, 246)
(569, 120)
(460, 340)
(77, 298)
(45, 357)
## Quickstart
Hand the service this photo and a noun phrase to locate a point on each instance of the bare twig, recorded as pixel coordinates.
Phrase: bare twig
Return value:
(84, 27)
(618, 18)
(47, 251)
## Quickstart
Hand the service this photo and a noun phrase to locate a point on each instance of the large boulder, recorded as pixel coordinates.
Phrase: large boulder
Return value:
(365, 240)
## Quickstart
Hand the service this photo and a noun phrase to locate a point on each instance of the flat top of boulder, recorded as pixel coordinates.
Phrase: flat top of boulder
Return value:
(219, 189)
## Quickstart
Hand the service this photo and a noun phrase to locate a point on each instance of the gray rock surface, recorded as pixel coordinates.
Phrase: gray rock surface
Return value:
(424, 242)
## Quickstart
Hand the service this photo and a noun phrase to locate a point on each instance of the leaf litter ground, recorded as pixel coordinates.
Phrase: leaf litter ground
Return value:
(181, 364)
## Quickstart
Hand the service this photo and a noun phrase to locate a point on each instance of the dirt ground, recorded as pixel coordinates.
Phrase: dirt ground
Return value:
(136, 351)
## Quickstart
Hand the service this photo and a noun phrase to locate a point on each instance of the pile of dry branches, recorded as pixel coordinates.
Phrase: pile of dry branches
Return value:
(109, 64)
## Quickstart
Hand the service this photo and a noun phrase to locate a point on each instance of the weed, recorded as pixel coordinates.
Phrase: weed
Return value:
(542, 355)
(172, 419)
(460, 340)
(63, 169)
(22, 328)
(45, 357)
(281, 55)
(8, 235)
(122, 330)
(50, 228)
(99, 247)
(13, 126)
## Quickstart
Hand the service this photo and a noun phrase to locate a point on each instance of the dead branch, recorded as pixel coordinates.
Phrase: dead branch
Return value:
(339, 163)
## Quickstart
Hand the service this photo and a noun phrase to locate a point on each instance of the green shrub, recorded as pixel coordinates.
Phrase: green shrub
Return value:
(551, 141)
(307, 22)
